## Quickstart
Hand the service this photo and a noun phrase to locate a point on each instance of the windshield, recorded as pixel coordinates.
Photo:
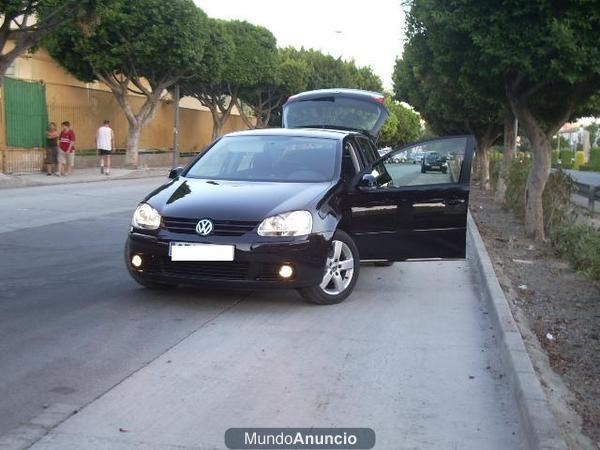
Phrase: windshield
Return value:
(335, 112)
(269, 158)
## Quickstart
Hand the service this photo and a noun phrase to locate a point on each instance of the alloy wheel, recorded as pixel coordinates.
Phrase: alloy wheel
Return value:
(339, 269)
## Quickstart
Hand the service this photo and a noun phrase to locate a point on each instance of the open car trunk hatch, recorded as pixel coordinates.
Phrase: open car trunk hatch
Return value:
(341, 109)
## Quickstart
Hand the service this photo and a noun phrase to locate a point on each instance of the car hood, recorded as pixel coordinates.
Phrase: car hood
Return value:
(233, 200)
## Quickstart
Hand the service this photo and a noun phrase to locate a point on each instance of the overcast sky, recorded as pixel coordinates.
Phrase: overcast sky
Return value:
(370, 32)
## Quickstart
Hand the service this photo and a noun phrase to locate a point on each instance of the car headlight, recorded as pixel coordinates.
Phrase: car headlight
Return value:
(146, 217)
(294, 223)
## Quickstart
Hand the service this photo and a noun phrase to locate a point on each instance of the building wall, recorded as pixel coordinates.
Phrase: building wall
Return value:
(86, 105)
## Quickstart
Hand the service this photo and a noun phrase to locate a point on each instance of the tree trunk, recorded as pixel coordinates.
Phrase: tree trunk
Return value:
(540, 169)
(484, 164)
(536, 182)
(133, 141)
(510, 138)
(218, 123)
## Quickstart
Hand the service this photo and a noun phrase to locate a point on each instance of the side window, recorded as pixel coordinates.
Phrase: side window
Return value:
(433, 162)
(368, 153)
(350, 163)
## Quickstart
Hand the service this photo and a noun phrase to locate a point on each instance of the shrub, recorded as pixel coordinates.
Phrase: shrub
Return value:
(580, 244)
(495, 166)
(556, 197)
(586, 168)
(558, 210)
(595, 158)
(554, 158)
(566, 159)
(579, 159)
(515, 186)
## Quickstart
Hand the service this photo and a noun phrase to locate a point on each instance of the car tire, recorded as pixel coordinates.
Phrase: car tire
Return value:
(444, 171)
(383, 263)
(423, 170)
(330, 291)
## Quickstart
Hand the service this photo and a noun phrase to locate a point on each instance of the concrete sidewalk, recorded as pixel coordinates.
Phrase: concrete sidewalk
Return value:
(78, 176)
(420, 366)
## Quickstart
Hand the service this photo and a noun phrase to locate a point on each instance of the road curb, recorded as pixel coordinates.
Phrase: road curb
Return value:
(539, 424)
(16, 182)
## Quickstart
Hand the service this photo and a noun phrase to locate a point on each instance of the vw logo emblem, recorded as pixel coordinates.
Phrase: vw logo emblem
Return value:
(204, 227)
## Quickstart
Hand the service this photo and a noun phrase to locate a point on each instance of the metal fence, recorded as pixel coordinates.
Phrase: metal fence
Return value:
(591, 192)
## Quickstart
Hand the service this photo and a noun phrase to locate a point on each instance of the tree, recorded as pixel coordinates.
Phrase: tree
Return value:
(443, 84)
(288, 76)
(143, 47)
(211, 83)
(22, 24)
(325, 71)
(243, 58)
(298, 70)
(402, 127)
(546, 54)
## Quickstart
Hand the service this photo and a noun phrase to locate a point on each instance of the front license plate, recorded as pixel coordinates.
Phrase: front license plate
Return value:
(435, 167)
(184, 251)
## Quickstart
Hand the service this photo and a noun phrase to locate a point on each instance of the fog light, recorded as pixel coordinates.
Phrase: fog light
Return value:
(136, 261)
(286, 271)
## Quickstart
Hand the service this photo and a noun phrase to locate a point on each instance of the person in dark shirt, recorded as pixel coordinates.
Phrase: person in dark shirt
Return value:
(52, 149)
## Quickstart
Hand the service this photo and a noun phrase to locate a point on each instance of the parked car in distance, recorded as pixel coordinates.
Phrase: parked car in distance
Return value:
(298, 207)
(417, 157)
(433, 161)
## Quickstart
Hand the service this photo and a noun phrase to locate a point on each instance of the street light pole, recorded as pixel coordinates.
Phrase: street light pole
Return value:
(176, 127)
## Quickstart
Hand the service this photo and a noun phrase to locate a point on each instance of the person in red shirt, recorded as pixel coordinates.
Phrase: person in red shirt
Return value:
(66, 149)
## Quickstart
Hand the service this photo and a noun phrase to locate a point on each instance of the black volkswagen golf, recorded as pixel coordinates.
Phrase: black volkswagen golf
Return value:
(300, 207)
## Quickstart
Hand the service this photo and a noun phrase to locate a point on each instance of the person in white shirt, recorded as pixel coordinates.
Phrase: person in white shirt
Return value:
(105, 143)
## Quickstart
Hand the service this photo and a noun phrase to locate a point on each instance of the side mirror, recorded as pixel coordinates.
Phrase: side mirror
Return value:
(367, 183)
(174, 173)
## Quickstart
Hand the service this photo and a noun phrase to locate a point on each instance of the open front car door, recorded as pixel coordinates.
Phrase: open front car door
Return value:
(412, 203)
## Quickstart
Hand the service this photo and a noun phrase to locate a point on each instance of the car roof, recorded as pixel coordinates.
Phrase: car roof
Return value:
(298, 132)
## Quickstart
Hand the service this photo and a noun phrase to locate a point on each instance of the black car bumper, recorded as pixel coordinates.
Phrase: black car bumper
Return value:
(256, 262)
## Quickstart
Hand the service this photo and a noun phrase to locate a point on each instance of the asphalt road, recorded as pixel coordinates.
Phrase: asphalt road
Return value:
(410, 175)
(592, 178)
(411, 354)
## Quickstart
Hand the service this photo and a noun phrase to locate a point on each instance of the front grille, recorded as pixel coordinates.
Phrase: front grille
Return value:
(234, 270)
(221, 227)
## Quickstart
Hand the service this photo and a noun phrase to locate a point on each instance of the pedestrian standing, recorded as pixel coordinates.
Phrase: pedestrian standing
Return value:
(105, 143)
(52, 149)
(66, 149)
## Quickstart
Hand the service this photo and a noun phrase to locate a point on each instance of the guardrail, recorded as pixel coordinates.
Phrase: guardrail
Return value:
(591, 192)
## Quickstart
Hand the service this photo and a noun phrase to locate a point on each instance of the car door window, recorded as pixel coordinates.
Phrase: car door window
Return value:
(350, 163)
(438, 161)
(369, 155)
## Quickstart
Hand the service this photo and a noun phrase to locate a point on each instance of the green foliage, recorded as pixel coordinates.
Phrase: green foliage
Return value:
(23, 33)
(580, 244)
(325, 71)
(554, 160)
(566, 159)
(579, 159)
(255, 53)
(149, 39)
(563, 144)
(515, 186)
(402, 126)
(547, 51)
(439, 75)
(595, 159)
